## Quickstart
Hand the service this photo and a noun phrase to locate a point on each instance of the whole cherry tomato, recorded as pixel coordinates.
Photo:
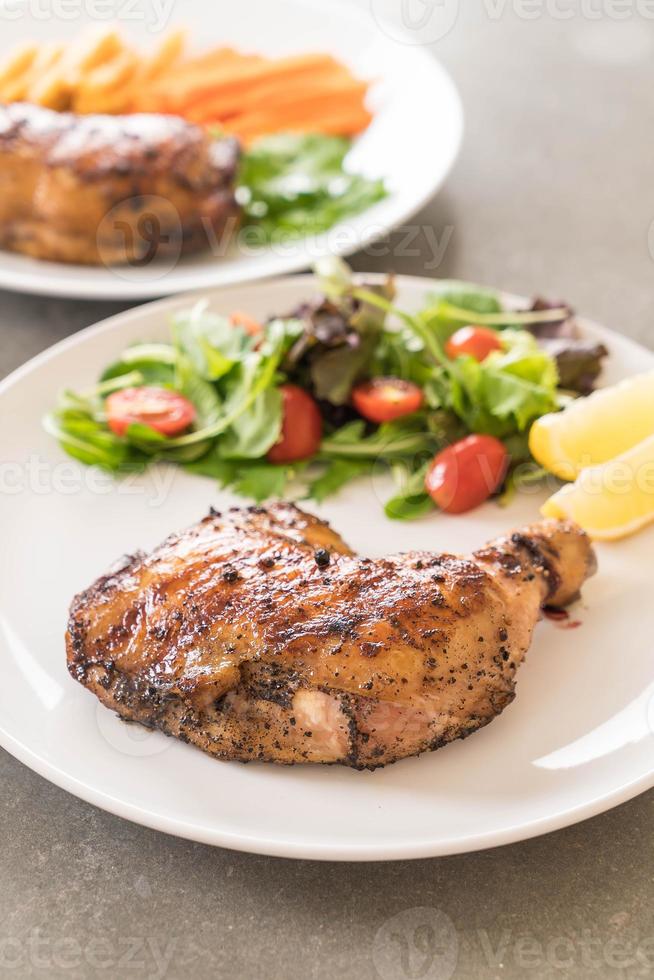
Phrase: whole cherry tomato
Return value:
(301, 427)
(466, 473)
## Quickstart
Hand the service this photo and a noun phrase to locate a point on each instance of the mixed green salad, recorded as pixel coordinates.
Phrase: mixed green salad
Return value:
(294, 185)
(345, 385)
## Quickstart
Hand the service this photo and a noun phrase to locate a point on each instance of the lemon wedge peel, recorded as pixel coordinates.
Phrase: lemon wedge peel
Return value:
(612, 500)
(596, 429)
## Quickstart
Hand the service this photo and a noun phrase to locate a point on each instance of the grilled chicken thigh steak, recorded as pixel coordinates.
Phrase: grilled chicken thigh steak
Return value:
(111, 189)
(257, 634)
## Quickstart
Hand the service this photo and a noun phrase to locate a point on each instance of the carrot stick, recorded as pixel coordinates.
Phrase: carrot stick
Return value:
(319, 105)
(344, 125)
(208, 60)
(186, 80)
(272, 89)
(277, 91)
(235, 76)
(340, 120)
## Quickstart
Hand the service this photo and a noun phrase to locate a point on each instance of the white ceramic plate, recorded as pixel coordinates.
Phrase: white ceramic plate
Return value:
(412, 142)
(577, 740)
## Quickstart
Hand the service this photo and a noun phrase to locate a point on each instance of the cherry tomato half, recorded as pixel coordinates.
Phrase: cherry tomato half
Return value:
(164, 410)
(301, 427)
(466, 473)
(477, 342)
(385, 399)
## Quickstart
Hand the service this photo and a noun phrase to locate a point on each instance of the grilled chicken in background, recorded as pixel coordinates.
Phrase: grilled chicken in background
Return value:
(111, 189)
(257, 634)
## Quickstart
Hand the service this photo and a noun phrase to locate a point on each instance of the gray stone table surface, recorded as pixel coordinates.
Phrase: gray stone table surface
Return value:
(554, 194)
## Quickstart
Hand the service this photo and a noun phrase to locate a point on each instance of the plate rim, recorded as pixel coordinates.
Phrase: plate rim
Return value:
(35, 281)
(360, 853)
(275, 846)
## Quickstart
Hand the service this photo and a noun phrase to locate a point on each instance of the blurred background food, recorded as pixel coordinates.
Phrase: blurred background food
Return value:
(244, 94)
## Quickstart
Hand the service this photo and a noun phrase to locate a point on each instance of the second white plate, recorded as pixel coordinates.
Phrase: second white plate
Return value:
(411, 143)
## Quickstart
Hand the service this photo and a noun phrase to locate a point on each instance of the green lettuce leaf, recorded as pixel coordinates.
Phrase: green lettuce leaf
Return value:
(299, 184)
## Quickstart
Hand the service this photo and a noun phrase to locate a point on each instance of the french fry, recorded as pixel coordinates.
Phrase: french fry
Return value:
(109, 76)
(46, 56)
(89, 51)
(165, 57)
(112, 102)
(17, 63)
(52, 89)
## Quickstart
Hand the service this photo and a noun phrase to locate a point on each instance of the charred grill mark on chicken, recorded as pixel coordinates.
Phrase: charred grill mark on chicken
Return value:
(357, 661)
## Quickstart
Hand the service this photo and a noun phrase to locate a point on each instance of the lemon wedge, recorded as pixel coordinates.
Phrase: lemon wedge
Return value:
(595, 429)
(613, 500)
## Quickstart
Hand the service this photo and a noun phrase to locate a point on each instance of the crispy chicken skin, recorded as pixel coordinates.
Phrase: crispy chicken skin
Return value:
(111, 189)
(257, 634)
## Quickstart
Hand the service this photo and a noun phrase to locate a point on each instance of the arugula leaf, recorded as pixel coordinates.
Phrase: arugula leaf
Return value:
(200, 392)
(408, 507)
(255, 431)
(145, 437)
(520, 475)
(258, 480)
(411, 500)
(212, 465)
(154, 364)
(335, 475)
(261, 481)
(298, 184)
(457, 304)
(86, 440)
(404, 437)
(211, 342)
(466, 296)
(256, 372)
